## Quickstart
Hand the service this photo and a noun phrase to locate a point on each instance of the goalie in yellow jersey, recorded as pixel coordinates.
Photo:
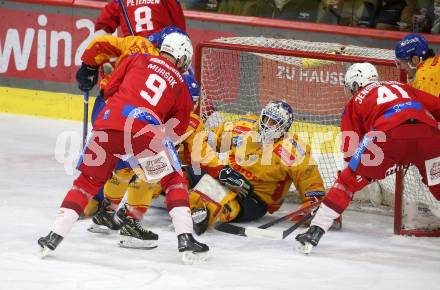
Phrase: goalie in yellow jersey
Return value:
(270, 157)
(420, 62)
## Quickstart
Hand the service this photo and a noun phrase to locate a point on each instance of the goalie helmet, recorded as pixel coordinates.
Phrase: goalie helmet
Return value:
(179, 46)
(360, 74)
(275, 120)
(411, 45)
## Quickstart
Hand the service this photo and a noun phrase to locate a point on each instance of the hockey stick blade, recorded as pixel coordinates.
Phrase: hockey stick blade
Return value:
(266, 234)
(230, 229)
(260, 233)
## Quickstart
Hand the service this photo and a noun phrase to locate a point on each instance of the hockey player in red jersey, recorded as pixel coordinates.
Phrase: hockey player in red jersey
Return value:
(386, 125)
(148, 109)
(145, 17)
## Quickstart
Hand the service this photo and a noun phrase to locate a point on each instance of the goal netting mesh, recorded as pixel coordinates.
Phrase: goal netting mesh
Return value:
(240, 75)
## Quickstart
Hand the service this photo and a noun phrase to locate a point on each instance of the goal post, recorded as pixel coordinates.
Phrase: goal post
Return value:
(239, 75)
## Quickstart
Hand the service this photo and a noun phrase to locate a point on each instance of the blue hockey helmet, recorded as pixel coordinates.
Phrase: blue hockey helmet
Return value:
(157, 38)
(193, 87)
(411, 45)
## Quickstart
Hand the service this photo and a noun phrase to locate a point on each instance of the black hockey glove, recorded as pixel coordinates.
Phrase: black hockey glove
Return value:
(235, 182)
(87, 77)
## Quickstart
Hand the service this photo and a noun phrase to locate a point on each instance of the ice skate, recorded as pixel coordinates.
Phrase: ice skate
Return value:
(103, 221)
(49, 243)
(309, 239)
(133, 235)
(191, 249)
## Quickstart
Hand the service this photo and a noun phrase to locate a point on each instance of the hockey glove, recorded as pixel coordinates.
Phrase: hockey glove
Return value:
(87, 77)
(235, 182)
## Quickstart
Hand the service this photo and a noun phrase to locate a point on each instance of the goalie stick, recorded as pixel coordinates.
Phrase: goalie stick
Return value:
(263, 232)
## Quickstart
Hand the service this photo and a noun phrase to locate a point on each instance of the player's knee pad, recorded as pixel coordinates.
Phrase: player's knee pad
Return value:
(83, 190)
(116, 186)
(176, 190)
(87, 185)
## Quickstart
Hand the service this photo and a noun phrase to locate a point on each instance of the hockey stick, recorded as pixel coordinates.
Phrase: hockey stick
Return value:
(124, 13)
(276, 235)
(252, 231)
(85, 118)
(290, 215)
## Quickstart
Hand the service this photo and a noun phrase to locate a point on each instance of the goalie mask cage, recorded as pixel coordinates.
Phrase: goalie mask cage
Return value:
(240, 75)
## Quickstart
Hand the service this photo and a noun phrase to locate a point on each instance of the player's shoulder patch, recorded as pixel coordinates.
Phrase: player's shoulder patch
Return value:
(287, 157)
(239, 129)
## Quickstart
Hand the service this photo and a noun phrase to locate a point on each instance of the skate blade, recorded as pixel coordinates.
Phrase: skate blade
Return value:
(305, 249)
(189, 257)
(99, 229)
(44, 252)
(133, 243)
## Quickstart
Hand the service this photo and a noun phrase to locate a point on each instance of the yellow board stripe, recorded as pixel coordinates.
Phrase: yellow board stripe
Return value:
(43, 103)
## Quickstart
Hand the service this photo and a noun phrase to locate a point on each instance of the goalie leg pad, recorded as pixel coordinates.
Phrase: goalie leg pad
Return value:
(210, 194)
(230, 211)
(91, 208)
(211, 188)
(115, 187)
(140, 195)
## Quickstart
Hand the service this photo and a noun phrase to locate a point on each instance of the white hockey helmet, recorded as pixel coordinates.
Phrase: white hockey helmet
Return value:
(275, 120)
(360, 74)
(179, 46)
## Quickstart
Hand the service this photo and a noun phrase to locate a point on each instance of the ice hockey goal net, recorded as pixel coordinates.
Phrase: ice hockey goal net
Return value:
(239, 75)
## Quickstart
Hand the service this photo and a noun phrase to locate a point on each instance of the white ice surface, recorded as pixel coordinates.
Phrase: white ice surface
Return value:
(364, 255)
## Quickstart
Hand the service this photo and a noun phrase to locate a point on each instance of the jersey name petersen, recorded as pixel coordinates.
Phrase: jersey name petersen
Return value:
(141, 2)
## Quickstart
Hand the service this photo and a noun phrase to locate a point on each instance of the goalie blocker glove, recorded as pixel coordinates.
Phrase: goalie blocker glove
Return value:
(235, 182)
(87, 77)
